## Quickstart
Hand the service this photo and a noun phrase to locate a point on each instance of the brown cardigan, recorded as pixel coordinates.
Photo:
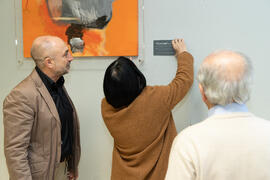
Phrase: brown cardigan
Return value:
(144, 131)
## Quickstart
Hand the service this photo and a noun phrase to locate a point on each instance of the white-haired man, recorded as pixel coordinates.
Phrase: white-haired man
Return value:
(231, 144)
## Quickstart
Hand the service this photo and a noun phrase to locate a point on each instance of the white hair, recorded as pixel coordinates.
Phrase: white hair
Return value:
(221, 90)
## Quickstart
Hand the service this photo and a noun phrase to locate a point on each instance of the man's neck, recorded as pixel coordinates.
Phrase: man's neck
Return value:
(51, 75)
(210, 106)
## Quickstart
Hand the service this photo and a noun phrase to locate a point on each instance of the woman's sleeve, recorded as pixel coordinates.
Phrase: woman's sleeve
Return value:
(178, 88)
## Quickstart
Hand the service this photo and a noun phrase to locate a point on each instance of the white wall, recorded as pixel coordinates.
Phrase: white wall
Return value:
(206, 25)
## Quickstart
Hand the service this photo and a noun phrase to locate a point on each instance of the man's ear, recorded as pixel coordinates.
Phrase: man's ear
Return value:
(204, 98)
(48, 62)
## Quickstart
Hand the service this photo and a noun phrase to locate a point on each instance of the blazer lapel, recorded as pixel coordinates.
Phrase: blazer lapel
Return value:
(45, 95)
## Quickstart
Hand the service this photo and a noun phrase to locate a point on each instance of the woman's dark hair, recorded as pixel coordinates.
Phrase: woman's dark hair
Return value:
(123, 82)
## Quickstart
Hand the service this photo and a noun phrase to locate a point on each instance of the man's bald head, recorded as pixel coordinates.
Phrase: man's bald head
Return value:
(231, 65)
(225, 77)
(43, 47)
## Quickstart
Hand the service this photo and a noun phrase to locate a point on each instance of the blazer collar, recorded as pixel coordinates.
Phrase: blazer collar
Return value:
(45, 94)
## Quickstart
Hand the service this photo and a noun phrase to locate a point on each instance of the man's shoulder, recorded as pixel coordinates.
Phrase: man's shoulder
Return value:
(26, 87)
(196, 130)
(265, 123)
(213, 124)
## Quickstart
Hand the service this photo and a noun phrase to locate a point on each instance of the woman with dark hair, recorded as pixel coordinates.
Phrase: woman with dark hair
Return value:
(139, 117)
(123, 82)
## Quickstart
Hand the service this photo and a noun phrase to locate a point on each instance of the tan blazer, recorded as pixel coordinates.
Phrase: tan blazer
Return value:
(32, 132)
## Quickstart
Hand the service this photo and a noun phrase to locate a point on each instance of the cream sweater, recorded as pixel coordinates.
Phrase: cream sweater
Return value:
(235, 146)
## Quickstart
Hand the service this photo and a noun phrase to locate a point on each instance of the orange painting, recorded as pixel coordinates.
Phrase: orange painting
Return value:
(86, 25)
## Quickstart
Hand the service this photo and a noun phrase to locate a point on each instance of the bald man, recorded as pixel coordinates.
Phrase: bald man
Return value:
(232, 143)
(41, 128)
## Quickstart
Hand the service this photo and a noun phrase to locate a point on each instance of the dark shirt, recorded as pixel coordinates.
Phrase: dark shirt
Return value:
(64, 109)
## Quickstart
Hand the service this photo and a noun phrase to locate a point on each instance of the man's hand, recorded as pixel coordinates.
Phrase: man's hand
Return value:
(179, 46)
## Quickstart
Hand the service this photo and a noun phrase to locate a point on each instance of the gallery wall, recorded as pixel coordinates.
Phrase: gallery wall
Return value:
(206, 25)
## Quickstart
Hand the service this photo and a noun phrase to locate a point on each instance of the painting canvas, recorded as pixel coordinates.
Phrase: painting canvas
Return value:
(90, 27)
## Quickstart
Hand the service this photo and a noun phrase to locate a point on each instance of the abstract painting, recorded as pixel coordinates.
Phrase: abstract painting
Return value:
(90, 27)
